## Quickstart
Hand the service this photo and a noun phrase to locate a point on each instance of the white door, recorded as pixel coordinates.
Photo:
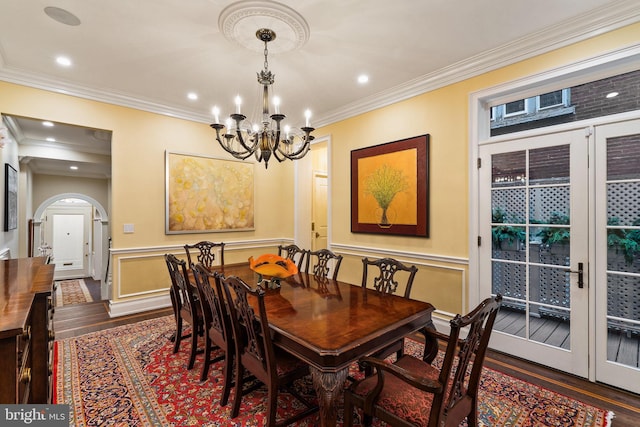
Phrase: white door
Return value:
(533, 235)
(617, 225)
(69, 252)
(319, 212)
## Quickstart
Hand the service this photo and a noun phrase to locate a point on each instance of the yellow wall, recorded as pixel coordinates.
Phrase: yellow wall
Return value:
(140, 140)
(444, 114)
(138, 184)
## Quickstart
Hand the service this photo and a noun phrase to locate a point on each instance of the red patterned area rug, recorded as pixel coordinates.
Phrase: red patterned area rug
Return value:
(128, 376)
(72, 291)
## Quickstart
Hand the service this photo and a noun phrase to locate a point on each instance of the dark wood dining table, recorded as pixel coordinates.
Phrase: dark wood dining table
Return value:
(331, 324)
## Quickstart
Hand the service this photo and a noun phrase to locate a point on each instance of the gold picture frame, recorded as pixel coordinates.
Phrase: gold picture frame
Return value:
(389, 188)
(207, 194)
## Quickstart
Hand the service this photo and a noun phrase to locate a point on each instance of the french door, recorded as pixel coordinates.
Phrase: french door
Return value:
(560, 240)
(533, 250)
(617, 296)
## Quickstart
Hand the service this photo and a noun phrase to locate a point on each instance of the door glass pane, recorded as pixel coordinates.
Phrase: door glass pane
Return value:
(508, 169)
(623, 250)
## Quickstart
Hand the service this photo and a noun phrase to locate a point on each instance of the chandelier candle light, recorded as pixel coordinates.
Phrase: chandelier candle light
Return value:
(242, 139)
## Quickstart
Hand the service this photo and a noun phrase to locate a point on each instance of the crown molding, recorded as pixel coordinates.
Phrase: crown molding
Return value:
(598, 21)
(613, 16)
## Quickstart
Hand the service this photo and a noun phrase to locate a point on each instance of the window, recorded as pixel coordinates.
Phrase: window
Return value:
(515, 107)
(551, 99)
(566, 105)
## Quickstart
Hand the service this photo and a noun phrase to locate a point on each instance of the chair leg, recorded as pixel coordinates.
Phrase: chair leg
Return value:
(272, 405)
(472, 417)
(194, 346)
(227, 372)
(176, 344)
(237, 398)
(207, 357)
(348, 413)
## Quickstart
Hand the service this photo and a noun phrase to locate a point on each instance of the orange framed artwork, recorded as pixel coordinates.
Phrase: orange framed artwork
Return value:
(390, 188)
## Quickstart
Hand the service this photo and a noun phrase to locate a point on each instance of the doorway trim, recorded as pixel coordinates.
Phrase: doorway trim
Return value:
(480, 103)
(102, 250)
(303, 173)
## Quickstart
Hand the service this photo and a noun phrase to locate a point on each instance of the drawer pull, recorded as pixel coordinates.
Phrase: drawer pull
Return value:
(25, 378)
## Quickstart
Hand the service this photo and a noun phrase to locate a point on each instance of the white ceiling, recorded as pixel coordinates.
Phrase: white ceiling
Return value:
(149, 54)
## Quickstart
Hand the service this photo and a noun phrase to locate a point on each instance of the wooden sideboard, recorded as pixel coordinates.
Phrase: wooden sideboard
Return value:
(26, 330)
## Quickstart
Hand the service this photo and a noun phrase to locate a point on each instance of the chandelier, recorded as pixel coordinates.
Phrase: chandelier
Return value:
(241, 138)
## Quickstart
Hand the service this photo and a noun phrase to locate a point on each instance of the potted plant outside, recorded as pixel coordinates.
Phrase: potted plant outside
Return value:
(556, 238)
(506, 237)
(625, 242)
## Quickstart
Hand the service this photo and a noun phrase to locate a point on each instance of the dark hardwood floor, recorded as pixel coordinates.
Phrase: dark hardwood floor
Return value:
(80, 319)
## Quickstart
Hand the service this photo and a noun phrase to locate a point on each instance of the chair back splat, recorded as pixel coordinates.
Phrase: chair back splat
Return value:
(412, 392)
(204, 253)
(294, 253)
(321, 267)
(385, 282)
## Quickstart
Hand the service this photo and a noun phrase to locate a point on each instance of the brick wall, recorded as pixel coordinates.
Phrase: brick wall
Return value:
(590, 101)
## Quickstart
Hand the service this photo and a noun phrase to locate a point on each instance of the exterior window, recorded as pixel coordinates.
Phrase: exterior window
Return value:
(551, 99)
(515, 107)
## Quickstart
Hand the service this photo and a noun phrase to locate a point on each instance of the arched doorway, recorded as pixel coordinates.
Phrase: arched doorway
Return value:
(91, 216)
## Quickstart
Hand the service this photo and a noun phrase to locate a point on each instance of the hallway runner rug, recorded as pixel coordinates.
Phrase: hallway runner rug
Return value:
(128, 375)
(72, 291)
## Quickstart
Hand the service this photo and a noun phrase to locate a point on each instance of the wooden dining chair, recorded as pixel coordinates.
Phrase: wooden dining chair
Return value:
(386, 283)
(217, 327)
(256, 353)
(294, 253)
(318, 263)
(185, 306)
(204, 252)
(412, 392)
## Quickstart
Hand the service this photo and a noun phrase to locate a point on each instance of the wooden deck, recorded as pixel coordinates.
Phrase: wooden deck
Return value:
(622, 347)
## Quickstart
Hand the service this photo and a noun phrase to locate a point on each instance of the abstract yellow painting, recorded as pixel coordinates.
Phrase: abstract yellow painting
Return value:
(206, 194)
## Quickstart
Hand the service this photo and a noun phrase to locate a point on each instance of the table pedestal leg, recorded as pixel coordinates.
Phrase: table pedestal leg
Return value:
(329, 388)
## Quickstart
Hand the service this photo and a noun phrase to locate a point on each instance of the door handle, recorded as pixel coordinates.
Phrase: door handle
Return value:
(580, 273)
(317, 234)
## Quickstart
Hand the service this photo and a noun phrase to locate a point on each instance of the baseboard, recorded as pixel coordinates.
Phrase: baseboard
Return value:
(123, 308)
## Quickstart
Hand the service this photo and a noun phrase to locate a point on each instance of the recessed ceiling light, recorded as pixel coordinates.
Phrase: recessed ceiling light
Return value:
(363, 78)
(51, 139)
(612, 94)
(63, 61)
(192, 96)
(62, 16)
(47, 124)
(73, 168)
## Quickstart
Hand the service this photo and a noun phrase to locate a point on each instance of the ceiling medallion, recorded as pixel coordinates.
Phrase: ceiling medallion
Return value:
(238, 23)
